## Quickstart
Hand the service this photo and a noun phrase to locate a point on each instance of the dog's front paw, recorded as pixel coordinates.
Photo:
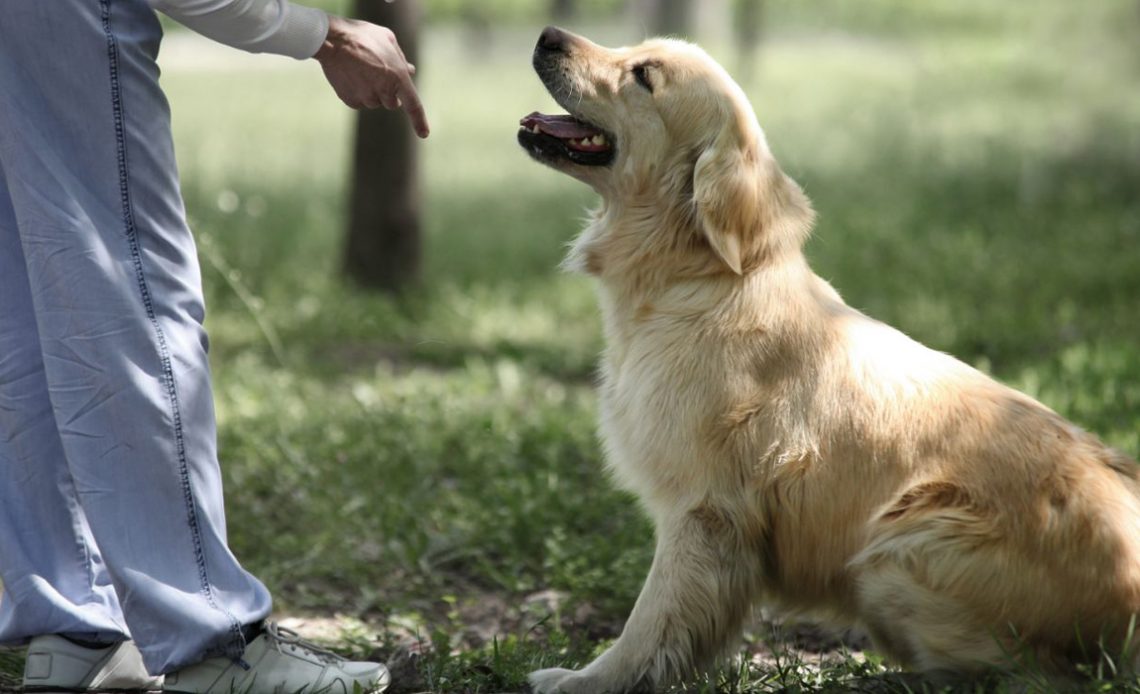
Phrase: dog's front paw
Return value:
(555, 680)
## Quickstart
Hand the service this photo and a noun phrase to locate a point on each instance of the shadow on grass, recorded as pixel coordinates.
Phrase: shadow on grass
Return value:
(11, 670)
(1013, 256)
(547, 360)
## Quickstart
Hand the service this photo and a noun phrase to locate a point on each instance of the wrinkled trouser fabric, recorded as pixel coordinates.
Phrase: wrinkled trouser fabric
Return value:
(111, 516)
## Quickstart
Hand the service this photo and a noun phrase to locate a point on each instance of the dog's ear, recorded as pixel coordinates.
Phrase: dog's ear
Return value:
(744, 204)
(726, 190)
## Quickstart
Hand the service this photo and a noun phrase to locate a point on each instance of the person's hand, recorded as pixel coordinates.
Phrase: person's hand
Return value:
(365, 66)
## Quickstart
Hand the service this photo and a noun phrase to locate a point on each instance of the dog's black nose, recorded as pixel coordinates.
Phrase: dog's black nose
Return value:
(552, 40)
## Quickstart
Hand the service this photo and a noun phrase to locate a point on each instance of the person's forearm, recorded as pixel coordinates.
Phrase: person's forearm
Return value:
(258, 26)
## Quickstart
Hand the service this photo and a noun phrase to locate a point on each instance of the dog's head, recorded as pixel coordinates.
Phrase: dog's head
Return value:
(662, 128)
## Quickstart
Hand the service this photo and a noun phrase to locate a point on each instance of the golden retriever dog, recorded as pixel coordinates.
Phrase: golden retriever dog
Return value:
(787, 447)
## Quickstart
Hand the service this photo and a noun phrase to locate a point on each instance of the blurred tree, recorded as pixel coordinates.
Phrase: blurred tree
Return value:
(748, 25)
(383, 248)
(671, 17)
(563, 10)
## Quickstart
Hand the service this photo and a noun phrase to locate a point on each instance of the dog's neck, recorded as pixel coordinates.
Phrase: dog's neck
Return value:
(648, 275)
(633, 240)
(639, 243)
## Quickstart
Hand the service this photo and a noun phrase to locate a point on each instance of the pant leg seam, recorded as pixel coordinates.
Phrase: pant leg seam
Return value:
(131, 234)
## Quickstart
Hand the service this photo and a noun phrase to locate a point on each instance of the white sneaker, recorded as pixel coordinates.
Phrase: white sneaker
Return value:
(279, 662)
(55, 663)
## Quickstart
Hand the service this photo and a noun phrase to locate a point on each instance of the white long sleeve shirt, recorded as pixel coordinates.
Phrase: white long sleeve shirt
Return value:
(257, 26)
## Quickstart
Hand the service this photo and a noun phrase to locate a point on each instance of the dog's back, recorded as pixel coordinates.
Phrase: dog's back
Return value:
(786, 445)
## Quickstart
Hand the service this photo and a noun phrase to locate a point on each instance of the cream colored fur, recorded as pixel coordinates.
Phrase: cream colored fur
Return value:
(789, 448)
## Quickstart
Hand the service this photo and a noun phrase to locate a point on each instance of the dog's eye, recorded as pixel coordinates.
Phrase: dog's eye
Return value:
(641, 74)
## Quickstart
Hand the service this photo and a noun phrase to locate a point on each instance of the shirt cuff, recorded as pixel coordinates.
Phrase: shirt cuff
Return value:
(301, 33)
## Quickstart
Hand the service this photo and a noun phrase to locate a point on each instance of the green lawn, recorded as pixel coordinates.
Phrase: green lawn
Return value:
(426, 469)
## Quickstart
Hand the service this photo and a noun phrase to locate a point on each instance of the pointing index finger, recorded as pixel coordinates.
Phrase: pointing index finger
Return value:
(410, 100)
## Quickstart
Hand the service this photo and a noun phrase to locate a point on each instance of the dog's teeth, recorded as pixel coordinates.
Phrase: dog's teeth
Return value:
(534, 129)
(599, 139)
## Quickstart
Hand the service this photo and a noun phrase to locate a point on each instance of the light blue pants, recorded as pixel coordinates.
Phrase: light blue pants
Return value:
(111, 516)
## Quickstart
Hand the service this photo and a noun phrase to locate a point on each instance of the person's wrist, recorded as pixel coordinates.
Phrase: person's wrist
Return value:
(333, 40)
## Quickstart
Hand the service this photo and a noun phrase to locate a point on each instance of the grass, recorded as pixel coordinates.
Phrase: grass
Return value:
(425, 469)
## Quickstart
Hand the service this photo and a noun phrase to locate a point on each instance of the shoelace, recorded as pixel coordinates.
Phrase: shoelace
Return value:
(280, 637)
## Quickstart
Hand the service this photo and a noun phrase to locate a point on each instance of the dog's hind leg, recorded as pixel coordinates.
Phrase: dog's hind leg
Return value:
(929, 583)
(922, 629)
(704, 576)
(948, 582)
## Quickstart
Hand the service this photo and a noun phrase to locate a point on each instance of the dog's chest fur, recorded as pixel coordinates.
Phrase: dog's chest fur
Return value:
(661, 377)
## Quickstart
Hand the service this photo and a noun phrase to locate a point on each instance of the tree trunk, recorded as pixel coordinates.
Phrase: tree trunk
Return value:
(749, 31)
(383, 250)
(672, 17)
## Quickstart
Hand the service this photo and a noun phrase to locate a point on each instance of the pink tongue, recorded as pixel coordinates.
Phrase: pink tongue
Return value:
(564, 127)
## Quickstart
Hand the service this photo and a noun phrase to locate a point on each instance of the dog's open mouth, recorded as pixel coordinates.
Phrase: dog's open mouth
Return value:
(565, 137)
